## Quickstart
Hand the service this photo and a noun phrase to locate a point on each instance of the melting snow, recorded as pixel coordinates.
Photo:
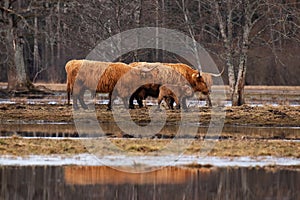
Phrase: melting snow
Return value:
(92, 160)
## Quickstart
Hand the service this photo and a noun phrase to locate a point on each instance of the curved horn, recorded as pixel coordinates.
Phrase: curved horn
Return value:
(217, 75)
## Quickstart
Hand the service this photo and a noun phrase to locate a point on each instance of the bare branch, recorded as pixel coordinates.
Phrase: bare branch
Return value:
(18, 15)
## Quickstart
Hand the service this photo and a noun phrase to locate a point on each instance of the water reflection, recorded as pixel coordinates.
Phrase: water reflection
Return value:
(36, 129)
(194, 182)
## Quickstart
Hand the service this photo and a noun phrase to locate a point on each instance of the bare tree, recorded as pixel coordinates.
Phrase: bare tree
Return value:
(236, 20)
(19, 20)
(191, 31)
(38, 37)
(242, 25)
(230, 29)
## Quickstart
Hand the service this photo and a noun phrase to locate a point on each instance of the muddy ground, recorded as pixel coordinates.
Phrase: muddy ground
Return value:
(243, 115)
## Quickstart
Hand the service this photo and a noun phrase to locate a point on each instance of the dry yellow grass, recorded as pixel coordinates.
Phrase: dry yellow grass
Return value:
(230, 148)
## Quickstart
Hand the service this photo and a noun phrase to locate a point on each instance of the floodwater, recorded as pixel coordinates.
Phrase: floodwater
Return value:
(194, 182)
(254, 96)
(190, 177)
(162, 177)
(42, 129)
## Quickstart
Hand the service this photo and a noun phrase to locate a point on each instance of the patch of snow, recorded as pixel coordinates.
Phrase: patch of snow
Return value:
(156, 161)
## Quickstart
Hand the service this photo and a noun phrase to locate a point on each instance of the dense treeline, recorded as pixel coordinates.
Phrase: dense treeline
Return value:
(53, 32)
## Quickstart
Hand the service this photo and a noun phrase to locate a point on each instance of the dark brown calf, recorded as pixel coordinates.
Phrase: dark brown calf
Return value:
(171, 93)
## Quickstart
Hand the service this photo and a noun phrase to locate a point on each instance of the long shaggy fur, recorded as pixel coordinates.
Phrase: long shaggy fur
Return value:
(72, 67)
(171, 93)
(171, 73)
(106, 77)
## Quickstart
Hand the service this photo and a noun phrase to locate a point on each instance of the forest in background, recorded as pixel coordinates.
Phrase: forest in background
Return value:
(55, 31)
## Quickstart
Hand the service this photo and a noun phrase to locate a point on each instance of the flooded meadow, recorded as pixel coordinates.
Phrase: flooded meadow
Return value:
(50, 151)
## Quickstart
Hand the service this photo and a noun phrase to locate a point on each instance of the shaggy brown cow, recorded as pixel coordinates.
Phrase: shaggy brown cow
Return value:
(169, 92)
(102, 77)
(164, 74)
(191, 76)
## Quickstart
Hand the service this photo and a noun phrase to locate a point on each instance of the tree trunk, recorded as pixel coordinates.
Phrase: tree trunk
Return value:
(11, 69)
(17, 78)
(156, 31)
(238, 94)
(238, 97)
(16, 74)
(58, 44)
(137, 18)
(19, 62)
(36, 56)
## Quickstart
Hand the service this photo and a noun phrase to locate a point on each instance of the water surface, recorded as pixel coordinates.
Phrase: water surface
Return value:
(100, 182)
(42, 129)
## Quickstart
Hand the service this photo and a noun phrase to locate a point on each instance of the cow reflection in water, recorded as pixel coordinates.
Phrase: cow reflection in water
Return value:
(194, 181)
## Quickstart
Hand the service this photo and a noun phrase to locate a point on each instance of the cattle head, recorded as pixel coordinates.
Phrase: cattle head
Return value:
(199, 84)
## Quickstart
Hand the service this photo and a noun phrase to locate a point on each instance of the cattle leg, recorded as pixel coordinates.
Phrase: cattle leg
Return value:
(159, 100)
(75, 104)
(138, 99)
(183, 103)
(68, 92)
(109, 101)
(170, 102)
(131, 106)
(140, 102)
(208, 100)
(125, 102)
(177, 102)
(140, 95)
(81, 101)
(68, 96)
(94, 96)
(76, 96)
